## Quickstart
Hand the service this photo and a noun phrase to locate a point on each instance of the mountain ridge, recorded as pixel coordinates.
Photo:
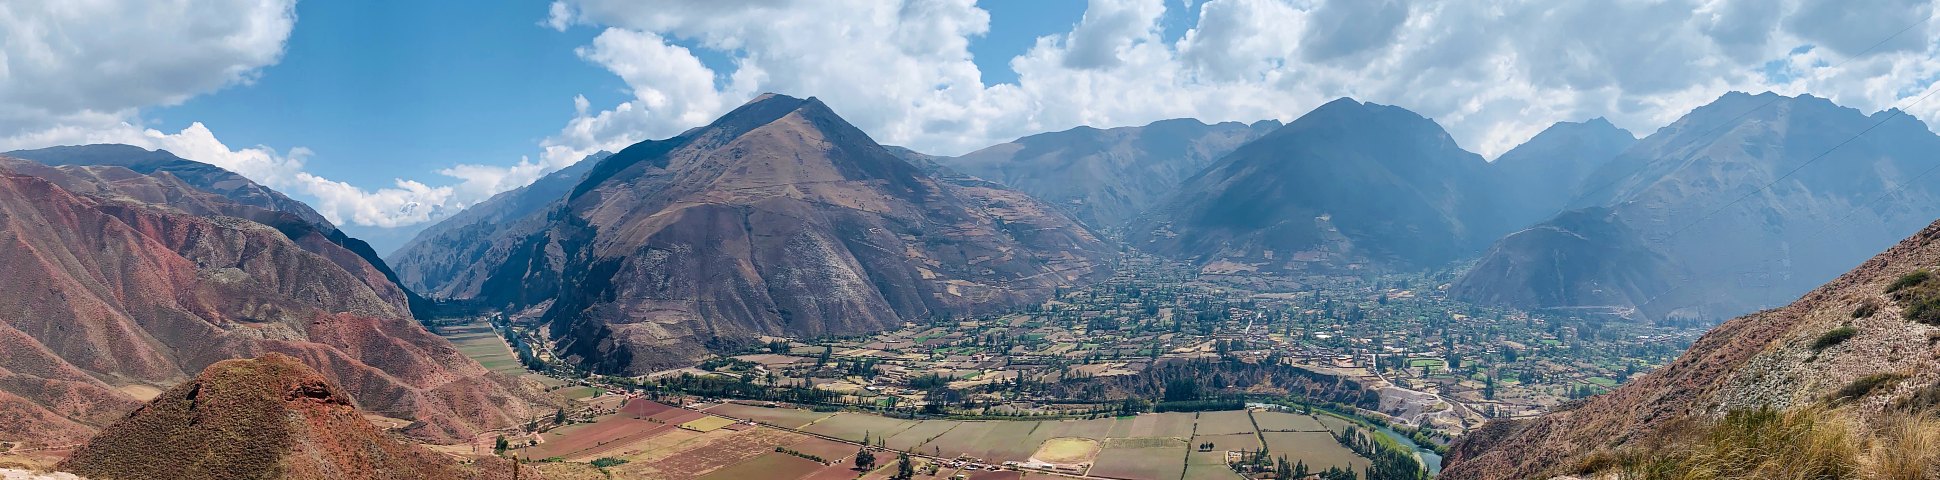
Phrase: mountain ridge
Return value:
(813, 227)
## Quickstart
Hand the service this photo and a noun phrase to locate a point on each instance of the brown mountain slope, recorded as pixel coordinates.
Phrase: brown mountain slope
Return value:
(779, 218)
(108, 293)
(1785, 358)
(266, 418)
(159, 177)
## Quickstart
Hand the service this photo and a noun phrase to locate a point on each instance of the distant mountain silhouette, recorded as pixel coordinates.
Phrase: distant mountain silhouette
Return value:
(1108, 176)
(1349, 185)
(1691, 193)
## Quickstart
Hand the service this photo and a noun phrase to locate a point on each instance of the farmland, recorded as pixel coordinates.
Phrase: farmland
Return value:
(772, 442)
(793, 444)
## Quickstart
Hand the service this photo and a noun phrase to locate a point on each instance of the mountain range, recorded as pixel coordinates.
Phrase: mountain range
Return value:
(1347, 186)
(1742, 204)
(1105, 177)
(779, 218)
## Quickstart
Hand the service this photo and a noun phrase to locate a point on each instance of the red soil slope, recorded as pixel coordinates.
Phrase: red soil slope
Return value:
(142, 280)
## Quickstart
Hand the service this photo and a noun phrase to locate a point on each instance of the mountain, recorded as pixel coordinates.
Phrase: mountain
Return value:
(1346, 186)
(779, 218)
(201, 176)
(1545, 173)
(1843, 379)
(1842, 186)
(121, 283)
(228, 190)
(1106, 177)
(439, 251)
(268, 417)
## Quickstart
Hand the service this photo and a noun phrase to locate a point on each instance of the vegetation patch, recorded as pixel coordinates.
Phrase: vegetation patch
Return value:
(608, 462)
(1910, 280)
(1798, 444)
(1864, 386)
(1919, 294)
(1834, 337)
(1865, 309)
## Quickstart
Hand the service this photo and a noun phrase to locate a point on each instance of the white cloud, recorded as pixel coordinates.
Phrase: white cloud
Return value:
(404, 203)
(1494, 73)
(71, 60)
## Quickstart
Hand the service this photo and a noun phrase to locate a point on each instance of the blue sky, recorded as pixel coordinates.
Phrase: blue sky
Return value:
(388, 115)
(382, 89)
(391, 89)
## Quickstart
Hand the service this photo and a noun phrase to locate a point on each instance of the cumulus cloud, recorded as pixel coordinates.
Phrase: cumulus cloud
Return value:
(64, 61)
(1493, 73)
(78, 72)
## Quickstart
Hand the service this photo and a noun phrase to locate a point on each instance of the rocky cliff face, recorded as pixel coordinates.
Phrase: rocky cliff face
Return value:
(1862, 345)
(1694, 193)
(1105, 177)
(128, 282)
(268, 417)
(1350, 185)
(777, 219)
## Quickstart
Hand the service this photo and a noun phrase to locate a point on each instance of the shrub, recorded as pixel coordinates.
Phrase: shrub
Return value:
(604, 462)
(1866, 309)
(1865, 385)
(1761, 443)
(1909, 280)
(1833, 337)
(1925, 310)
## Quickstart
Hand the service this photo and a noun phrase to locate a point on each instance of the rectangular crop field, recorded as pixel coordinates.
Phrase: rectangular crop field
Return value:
(1211, 472)
(1287, 422)
(853, 426)
(1318, 449)
(1142, 458)
(922, 433)
(706, 424)
(782, 417)
(771, 465)
(1225, 422)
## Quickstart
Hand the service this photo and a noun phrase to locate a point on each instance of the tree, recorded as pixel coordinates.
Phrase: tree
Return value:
(903, 469)
(864, 460)
(498, 448)
(559, 417)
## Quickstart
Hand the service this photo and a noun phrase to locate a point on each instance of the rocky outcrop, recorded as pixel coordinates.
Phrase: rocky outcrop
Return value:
(270, 417)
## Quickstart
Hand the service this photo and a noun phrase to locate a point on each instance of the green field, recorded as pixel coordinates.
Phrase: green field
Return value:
(579, 393)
